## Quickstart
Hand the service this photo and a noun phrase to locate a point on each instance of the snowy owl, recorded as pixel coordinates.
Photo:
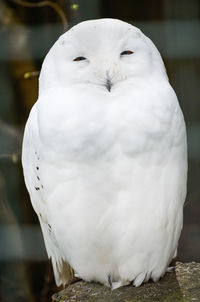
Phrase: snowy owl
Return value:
(105, 156)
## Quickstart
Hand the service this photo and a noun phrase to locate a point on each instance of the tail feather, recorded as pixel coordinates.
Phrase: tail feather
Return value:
(63, 272)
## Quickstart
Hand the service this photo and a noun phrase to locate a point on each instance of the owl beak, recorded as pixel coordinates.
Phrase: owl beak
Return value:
(108, 82)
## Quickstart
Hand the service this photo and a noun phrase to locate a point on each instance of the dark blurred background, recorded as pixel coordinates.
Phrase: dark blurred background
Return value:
(28, 29)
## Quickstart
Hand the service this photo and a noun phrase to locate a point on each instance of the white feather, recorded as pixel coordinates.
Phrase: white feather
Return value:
(112, 164)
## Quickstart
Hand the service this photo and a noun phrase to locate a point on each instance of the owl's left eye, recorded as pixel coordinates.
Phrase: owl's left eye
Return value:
(126, 52)
(79, 59)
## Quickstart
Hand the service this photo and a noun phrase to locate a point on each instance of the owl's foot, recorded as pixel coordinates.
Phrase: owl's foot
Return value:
(140, 279)
(116, 284)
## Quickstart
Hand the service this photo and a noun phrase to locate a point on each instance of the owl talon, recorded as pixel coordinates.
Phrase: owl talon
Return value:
(117, 284)
(110, 281)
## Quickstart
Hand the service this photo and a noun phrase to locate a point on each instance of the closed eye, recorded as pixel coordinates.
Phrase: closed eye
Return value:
(126, 52)
(79, 59)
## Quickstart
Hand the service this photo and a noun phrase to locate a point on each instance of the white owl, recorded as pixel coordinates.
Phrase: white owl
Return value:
(105, 156)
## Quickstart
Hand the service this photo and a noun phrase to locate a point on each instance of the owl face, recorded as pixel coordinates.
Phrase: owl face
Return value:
(103, 53)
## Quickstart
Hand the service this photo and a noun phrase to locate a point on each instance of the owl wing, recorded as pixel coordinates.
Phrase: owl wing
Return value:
(63, 273)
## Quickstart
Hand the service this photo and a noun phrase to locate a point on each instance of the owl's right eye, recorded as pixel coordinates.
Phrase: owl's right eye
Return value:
(79, 59)
(126, 52)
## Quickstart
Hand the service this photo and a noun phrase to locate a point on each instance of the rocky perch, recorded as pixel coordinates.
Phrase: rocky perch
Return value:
(183, 284)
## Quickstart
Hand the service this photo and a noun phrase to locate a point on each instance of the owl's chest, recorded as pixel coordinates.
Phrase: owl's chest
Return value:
(89, 127)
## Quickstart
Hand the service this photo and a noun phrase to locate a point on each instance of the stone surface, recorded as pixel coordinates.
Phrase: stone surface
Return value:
(183, 284)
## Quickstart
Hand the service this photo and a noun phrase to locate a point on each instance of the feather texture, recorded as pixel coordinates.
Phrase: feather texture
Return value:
(105, 156)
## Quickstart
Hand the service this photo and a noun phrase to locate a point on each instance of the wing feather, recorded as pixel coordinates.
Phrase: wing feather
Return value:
(63, 273)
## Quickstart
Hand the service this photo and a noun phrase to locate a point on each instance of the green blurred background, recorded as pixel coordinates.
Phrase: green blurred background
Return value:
(28, 29)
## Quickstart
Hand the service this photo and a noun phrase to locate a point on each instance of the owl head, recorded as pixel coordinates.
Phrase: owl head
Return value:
(104, 53)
